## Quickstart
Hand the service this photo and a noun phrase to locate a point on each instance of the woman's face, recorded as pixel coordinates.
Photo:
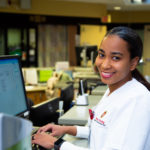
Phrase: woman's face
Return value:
(114, 63)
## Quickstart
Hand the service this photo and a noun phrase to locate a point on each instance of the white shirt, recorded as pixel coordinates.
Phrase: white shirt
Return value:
(121, 121)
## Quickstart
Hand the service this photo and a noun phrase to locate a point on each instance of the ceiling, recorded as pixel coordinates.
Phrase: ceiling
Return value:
(125, 5)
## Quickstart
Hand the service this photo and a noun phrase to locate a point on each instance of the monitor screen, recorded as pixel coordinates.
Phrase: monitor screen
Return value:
(67, 95)
(89, 50)
(12, 92)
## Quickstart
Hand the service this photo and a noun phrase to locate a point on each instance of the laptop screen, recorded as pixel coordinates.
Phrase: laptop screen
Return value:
(12, 92)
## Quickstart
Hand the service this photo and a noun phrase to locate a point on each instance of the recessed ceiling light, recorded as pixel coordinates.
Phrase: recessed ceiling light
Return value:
(137, 1)
(117, 8)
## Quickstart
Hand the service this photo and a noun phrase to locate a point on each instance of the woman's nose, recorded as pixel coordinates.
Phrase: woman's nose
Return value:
(106, 63)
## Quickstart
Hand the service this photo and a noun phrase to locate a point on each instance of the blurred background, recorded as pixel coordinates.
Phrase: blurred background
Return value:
(44, 32)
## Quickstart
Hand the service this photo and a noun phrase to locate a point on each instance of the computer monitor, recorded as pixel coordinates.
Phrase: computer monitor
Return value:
(44, 75)
(89, 50)
(13, 99)
(45, 112)
(67, 95)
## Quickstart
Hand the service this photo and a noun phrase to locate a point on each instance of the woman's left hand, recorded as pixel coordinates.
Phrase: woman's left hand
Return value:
(43, 139)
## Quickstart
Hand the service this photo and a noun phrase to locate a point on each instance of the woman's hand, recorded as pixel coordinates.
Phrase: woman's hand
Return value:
(56, 130)
(43, 139)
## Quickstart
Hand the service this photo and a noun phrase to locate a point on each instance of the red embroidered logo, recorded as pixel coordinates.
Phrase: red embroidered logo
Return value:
(91, 113)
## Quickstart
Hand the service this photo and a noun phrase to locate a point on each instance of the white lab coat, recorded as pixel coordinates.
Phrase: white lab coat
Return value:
(121, 121)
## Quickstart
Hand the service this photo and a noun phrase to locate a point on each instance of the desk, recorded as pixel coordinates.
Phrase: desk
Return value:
(36, 93)
(86, 75)
(83, 69)
(81, 142)
(78, 115)
(99, 90)
(76, 141)
(32, 88)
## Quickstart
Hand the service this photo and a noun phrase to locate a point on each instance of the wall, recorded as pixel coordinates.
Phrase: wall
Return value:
(52, 45)
(130, 16)
(146, 53)
(60, 8)
(92, 34)
(78, 9)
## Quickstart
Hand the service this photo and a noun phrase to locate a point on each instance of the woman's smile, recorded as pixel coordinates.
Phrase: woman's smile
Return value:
(107, 74)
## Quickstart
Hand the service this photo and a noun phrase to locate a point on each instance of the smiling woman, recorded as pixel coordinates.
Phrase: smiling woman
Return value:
(119, 54)
(114, 63)
(116, 121)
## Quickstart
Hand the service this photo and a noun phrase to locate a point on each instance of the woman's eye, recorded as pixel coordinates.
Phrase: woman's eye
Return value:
(116, 58)
(101, 55)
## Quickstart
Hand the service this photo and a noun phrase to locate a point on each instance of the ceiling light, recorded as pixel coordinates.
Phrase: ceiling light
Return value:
(117, 8)
(138, 1)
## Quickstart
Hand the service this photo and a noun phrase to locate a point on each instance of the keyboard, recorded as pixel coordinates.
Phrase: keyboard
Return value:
(35, 146)
(34, 129)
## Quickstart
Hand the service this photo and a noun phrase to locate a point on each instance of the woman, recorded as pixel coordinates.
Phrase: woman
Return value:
(121, 119)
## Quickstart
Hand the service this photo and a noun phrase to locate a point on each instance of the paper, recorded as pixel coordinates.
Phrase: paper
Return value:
(64, 65)
(31, 76)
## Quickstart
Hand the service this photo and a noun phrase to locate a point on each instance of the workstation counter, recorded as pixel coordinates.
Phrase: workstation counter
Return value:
(82, 142)
(99, 90)
(78, 115)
